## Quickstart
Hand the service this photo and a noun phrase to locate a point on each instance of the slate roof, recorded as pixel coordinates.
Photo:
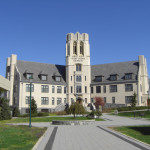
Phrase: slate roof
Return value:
(114, 68)
(104, 70)
(41, 68)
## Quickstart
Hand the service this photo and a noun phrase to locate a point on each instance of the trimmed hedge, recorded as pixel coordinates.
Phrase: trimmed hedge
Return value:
(40, 114)
(129, 108)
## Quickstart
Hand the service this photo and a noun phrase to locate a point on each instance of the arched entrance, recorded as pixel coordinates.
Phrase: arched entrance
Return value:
(79, 100)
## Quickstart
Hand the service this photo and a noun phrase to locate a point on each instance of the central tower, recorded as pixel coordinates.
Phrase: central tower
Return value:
(78, 69)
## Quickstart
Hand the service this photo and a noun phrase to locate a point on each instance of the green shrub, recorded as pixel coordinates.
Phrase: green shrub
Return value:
(129, 108)
(76, 109)
(40, 114)
(5, 113)
(16, 112)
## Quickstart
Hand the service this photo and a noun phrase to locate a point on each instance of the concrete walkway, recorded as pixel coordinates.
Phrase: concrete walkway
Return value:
(91, 137)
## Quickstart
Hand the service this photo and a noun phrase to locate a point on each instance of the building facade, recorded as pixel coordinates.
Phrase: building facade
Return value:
(55, 85)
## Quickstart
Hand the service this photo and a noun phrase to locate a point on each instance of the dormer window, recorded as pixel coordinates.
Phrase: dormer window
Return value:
(43, 77)
(113, 77)
(128, 76)
(98, 79)
(57, 78)
(29, 75)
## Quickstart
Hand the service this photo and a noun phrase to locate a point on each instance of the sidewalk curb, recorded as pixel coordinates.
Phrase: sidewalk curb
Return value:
(40, 139)
(133, 140)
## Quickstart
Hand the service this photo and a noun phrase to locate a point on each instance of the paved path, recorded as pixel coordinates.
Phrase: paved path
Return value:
(91, 137)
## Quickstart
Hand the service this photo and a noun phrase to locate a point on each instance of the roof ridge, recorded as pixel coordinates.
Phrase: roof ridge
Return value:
(117, 62)
(39, 62)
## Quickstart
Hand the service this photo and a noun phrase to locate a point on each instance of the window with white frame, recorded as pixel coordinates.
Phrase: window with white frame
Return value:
(53, 101)
(59, 101)
(78, 67)
(44, 100)
(43, 77)
(113, 88)
(28, 88)
(65, 100)
(28, 99)
(78, 89)
(53, 89)
(59, 89)
(128, 87)
(44, 88)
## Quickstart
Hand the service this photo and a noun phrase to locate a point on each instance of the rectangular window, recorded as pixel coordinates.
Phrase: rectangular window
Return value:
(43, 77)
(71, 89)
(28, 88)
(28, 99)
(128, 99)
(85, 78)
(98, 79)
(105, 99)
(78, 78)
(113, 77)
(78, 67)
(44, 100)
(53, 89)
(53, 101)
(85, 100)
(57, 79)
(71, 78)
(59, 101)
(85, 89)
(128, 76)
(29, 75)
(98, 89)
(78, 89)
(44, 88)
(65, 89)
(128, 87)
(104, 89)
(113, 100)
(92, 90)
(92, 100)
(65, 100)
(113, 88)
(59, 89)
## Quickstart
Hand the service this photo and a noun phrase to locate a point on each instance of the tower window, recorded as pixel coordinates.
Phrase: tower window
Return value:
(68, 49)
(78, 78)
(81, 48)
(75, 48)
(78, 89)
(78, 67)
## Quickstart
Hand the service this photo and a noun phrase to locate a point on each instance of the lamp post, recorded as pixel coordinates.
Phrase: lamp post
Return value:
(30, 101)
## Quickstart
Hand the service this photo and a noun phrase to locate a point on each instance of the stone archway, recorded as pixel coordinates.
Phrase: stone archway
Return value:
(79, 100)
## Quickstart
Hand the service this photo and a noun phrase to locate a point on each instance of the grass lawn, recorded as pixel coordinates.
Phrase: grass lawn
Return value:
(19, 137)
(131, 114)
(141, 133)
(44, 119)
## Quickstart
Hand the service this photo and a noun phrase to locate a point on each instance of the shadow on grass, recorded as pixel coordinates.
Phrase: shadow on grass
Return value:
(142, 130)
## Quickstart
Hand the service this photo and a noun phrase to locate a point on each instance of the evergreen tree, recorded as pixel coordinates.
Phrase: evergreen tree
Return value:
(76, 109)
(5, 113)
(16, 112)
(33, 107)
(134, 100)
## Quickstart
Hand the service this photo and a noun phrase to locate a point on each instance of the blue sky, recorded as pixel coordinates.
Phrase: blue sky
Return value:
(35, 30)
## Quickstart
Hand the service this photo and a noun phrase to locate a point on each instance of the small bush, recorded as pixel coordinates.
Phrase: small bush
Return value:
(40, 114)
(129, 108)
(16, 112)
(5, 113)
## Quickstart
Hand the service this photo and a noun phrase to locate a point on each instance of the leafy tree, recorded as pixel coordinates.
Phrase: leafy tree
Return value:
(33, 106)
(5, 113)
(16, 112)
(134, 100)
(99, 101)
(76, 109)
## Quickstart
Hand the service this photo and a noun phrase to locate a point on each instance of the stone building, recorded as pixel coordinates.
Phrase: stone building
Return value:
(54, 85)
